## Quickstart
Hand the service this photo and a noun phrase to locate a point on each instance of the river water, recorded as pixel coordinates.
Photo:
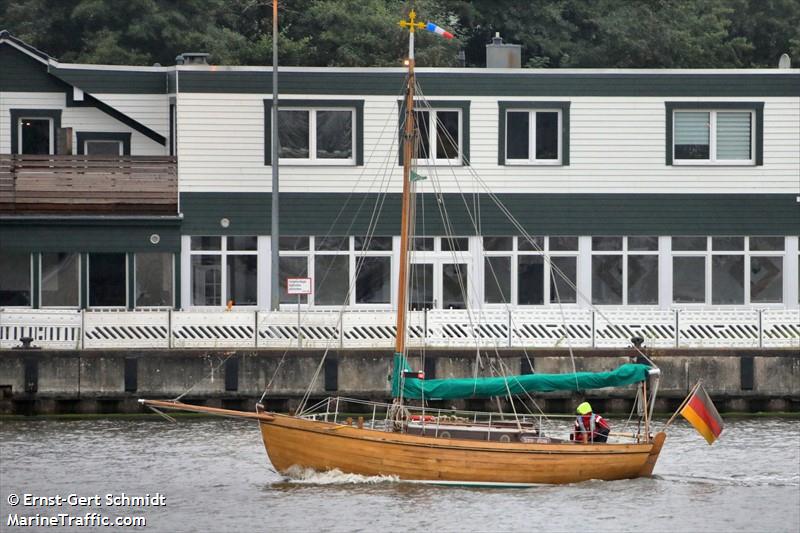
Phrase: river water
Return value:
(215, 477)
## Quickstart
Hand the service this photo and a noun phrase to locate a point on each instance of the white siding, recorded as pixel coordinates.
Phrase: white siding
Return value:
(78, 118)
(152, 110)
(617, 145)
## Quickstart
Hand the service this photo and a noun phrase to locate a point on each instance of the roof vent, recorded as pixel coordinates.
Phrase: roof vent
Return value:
(192, 58)
(785, 61)
(499, 55)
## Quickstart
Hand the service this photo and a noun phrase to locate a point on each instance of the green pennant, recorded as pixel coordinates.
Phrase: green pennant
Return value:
(417, 177)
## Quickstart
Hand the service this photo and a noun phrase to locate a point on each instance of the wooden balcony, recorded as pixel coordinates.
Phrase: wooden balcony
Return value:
(87, 185)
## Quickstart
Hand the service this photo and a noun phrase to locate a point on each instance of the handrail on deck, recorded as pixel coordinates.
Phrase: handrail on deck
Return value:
(80, 183)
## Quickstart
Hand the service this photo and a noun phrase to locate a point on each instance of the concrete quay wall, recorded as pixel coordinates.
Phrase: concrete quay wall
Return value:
(111, 381)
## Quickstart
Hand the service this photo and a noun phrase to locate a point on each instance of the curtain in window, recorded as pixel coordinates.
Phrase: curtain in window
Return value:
(733, 135)
(691, 135)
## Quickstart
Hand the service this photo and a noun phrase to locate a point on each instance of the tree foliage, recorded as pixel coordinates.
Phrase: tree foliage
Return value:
(553, 33)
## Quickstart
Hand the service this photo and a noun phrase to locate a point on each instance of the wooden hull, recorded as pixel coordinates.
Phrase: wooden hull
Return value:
(323, 446)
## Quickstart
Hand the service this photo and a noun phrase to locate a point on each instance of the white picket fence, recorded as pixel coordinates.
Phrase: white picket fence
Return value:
(541, 328)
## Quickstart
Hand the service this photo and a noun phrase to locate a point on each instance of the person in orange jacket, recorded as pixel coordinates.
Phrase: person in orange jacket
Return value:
(589, 427)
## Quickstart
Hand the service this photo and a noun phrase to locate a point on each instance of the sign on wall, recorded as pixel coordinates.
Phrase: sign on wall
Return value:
(298, 285)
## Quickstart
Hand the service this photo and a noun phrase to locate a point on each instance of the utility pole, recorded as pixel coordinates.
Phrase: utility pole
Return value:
(275, 295)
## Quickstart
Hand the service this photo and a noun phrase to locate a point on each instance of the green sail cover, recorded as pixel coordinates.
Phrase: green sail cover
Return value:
(458, 388)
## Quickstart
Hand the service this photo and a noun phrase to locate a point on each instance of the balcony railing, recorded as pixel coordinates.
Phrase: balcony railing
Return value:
(81, 184)
(63, 329)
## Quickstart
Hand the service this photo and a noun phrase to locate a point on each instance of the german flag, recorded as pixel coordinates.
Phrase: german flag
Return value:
(701, 413)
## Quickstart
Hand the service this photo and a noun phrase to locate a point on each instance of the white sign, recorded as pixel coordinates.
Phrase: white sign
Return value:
(298, 285)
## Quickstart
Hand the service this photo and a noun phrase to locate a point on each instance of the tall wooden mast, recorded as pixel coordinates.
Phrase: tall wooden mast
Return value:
(408, 156)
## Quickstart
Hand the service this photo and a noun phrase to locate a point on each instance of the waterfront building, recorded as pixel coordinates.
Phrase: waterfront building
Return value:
(651, 189)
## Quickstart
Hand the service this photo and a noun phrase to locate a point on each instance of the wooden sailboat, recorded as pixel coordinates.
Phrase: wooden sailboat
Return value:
(432, 446)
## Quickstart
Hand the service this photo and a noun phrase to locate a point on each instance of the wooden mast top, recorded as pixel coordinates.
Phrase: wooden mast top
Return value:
(408, 155)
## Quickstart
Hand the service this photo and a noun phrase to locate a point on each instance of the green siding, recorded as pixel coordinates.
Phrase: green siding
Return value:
(522, 83)
(29, 75)
(98, 235)
(248, 213)
(109, 81)
(553, 214)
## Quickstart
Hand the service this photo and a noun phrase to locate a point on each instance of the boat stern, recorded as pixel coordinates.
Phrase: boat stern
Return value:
(658, 443)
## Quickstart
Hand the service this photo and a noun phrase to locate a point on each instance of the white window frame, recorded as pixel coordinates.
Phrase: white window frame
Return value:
(353, 256)
(172, 282)
(546, 254)
(782, 254)
(625, 252)
(312, 138)
(80, 284)
(89, 282)
(712, 139)
(438, 257)
(532, 133)
(433, 123)
(121, 150)
(223, 254)
(746, 254)
(52, 147)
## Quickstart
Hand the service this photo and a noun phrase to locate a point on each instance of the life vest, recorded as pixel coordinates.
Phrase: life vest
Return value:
(591, 434)
(592, 418)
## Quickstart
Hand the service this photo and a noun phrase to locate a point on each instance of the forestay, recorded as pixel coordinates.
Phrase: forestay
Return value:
(485, 387)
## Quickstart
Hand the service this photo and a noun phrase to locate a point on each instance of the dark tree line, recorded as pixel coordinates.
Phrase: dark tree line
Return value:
(553, 33)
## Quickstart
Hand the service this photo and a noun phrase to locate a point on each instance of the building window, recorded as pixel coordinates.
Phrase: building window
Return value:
(108, 274)
(642, 270)
(112, 148)
(292, 266)
(331, 270)
(455, 285)
(330, 260)
(439, 135)
(533, 133)
(440, 273)
(625, 270)
(327, 132)
(15, 279)
(421, 286)
(727, 270)
(316, 135)
(533, 137)
(766, 269)
(224, 269)
(530, 271)
(60, 279)
(729, 133)
(33, 131)
(36, 136)
(103, 143)
(442, 128)
(153, 278)
(373, 264)
(689, 269)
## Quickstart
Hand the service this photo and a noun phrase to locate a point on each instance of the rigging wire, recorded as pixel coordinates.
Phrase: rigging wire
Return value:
(554, 268)
(382, 186)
